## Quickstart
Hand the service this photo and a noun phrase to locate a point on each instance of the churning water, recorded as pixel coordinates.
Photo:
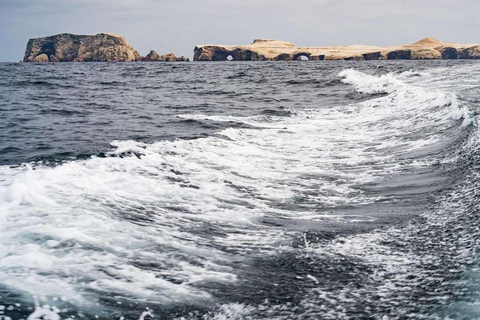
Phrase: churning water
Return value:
(300, 190)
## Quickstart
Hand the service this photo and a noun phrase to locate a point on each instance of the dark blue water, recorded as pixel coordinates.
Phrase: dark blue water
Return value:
(296, 190)
(76, 110)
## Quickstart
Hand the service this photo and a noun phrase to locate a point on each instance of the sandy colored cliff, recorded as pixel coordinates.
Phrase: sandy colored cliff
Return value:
(275, 50)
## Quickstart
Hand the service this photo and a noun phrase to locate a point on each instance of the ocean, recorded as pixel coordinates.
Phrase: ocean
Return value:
(240, 190)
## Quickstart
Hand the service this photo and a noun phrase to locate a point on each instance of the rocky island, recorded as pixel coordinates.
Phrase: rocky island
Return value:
(168, 57)
(275, 50)
(107, 47)
(80, 48)
(102, 47)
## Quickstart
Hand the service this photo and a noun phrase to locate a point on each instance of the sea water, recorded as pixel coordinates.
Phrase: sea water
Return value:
(233, 190)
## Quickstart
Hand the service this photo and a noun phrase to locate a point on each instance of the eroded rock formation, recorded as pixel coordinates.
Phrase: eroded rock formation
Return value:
(152, 56)
(67, 47)
(469, 53)
(449, 53)
(399, 55)
(103, 47)
(372, 55)
(220, 53)
(169, 57)
(274, 50)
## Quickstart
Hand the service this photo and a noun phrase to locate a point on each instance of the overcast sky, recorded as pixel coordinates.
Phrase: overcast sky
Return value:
(178, 25)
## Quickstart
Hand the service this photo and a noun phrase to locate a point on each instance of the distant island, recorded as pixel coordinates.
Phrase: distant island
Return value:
(274, 50)
(107, 47)
(103, 47)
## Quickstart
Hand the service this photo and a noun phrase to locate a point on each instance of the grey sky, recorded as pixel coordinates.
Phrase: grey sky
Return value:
(177, 26)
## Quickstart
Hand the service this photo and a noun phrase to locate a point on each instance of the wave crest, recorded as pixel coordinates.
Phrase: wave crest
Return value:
(406, 96)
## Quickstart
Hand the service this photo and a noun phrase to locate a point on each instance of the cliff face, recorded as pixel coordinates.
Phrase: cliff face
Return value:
(103, 47)
(274, 50)
(259, 50)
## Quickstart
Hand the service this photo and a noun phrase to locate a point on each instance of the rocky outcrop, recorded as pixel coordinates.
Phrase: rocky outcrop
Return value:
(426, 54)
(399, 55)
(469, 53)
(317, 58)
(169, 57)
(220, 53)
(41, 58)
(355, 58)
(371, 56)
(284, 57)
(103, 47)
(274, 50)
(152, 56)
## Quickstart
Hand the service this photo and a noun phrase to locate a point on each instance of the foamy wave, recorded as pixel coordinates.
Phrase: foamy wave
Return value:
(371, 84)
(233, 311)
(407, 96)
(414, 73)
(162, 222)
(255, 121)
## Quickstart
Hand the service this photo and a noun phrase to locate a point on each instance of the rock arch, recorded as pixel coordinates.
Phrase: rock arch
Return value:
(299, 55)
(449, 53)
(218, 53)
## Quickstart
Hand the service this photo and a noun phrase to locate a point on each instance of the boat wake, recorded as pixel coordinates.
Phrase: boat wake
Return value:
(294, 208)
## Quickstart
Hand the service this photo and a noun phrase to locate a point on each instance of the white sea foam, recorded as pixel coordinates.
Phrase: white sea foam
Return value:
(406, 96)
(395, 274)
(371, 84)
(233, 311)
(158, 225)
